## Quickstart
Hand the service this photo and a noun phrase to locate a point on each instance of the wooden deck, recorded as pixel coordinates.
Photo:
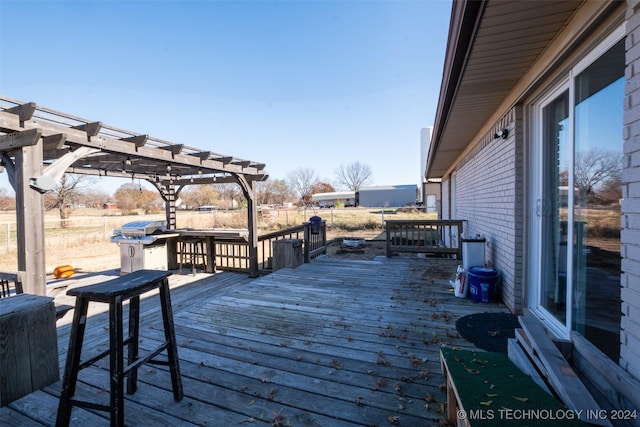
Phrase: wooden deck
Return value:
(331, 343)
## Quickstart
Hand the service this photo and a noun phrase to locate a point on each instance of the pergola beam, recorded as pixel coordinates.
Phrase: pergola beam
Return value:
(119, 146)
(137, 140)
(19, 139)
(54, 142)
(175, 148)
(24, 111)
(91, 129)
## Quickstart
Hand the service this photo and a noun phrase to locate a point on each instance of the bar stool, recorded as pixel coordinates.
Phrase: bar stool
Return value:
(115, 292)
(191, 250)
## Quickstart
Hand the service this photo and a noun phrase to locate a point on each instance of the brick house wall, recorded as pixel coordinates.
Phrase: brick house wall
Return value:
(630, 236)
(489, 197)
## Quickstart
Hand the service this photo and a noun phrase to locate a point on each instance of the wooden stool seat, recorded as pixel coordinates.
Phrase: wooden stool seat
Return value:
(191, 252)
(115, 292)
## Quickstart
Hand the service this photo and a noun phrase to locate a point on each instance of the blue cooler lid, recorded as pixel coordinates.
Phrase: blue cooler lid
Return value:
(483, 271)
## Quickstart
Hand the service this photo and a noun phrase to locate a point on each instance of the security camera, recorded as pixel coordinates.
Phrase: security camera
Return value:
(501, 133)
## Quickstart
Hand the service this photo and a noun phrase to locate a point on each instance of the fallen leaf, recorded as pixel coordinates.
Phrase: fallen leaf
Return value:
(487, 403)
(394, 420)
(521, 399)
(491, 394)
(472, 371)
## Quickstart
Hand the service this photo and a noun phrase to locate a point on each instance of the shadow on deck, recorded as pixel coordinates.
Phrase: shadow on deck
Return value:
(331, 343)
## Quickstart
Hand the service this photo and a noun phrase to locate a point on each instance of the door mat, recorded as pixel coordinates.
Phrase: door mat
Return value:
(488, 331)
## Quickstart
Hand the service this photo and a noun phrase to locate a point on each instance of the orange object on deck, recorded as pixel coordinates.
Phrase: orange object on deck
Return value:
(63, 271)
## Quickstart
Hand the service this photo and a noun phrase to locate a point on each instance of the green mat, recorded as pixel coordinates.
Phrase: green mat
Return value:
(495, 392)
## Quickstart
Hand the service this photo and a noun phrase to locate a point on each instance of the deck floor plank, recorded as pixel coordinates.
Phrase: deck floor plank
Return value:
(333, 342)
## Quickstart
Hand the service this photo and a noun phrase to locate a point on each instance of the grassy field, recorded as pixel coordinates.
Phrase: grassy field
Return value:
(84, 243)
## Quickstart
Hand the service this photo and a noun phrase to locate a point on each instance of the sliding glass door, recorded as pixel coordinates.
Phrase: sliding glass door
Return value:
(577, 163)
(551, 209)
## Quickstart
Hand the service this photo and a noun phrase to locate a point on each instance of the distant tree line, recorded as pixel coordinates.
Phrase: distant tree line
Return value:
(79, 191)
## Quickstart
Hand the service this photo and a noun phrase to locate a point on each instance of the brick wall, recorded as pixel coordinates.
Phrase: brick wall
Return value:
(489, 196)
(630, 236)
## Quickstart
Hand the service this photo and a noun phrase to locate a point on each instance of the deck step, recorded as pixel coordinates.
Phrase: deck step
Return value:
(559, 374)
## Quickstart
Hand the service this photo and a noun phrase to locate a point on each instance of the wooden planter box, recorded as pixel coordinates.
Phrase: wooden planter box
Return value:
(28, 345)
(287, 253)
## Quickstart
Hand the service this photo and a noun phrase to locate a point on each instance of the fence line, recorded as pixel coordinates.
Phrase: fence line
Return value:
(100, 228)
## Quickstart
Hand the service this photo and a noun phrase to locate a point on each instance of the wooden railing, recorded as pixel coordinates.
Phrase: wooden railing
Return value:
(315, 239)
(233, 254)
(265, 244)
(424, 236)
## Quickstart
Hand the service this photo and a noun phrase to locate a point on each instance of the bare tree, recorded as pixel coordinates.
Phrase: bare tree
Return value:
(354, 175)
(596, 166)
(65, 196)
(93, 198)
(302, 180)
(231, 196)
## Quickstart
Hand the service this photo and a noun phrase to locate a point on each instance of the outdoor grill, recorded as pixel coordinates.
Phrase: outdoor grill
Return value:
(143, 245)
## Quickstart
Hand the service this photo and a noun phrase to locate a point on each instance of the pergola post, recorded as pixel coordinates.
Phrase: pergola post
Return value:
(30, 219)
(248, 188)
(169, 196)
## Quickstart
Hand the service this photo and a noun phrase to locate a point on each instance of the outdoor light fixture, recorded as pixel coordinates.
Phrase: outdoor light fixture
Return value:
(128, 161)
(501, 133)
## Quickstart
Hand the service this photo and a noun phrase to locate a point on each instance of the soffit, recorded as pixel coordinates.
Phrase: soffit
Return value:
(508, 38)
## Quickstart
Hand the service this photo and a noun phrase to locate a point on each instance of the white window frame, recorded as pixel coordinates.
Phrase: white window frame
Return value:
(559, 329)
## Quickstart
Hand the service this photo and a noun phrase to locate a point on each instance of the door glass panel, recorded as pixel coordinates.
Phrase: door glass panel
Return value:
(599, 91)
(552, 207)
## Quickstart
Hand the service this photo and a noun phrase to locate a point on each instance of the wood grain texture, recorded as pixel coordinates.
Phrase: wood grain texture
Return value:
(330, 343)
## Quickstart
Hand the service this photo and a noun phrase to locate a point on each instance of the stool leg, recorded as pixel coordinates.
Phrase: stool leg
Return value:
(116, 361)
(193, 252)
(170, 337)
(202, 255)
(73, 362)
(132, 347)
(181, 255)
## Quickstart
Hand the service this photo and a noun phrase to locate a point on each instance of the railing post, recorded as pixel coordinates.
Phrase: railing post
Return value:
(307, 241)
(460, 232)
(324, 235)
(387, 232)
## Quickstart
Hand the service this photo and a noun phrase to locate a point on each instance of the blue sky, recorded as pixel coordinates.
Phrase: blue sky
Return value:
(311, 84)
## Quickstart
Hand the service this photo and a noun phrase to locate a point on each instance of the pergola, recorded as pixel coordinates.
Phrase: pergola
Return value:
(38, 145)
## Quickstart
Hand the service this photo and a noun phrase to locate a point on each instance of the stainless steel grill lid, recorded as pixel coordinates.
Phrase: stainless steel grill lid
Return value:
(139, 231)
(143, 228)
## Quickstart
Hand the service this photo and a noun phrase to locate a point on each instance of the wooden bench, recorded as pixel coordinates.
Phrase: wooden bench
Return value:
(487, 389)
